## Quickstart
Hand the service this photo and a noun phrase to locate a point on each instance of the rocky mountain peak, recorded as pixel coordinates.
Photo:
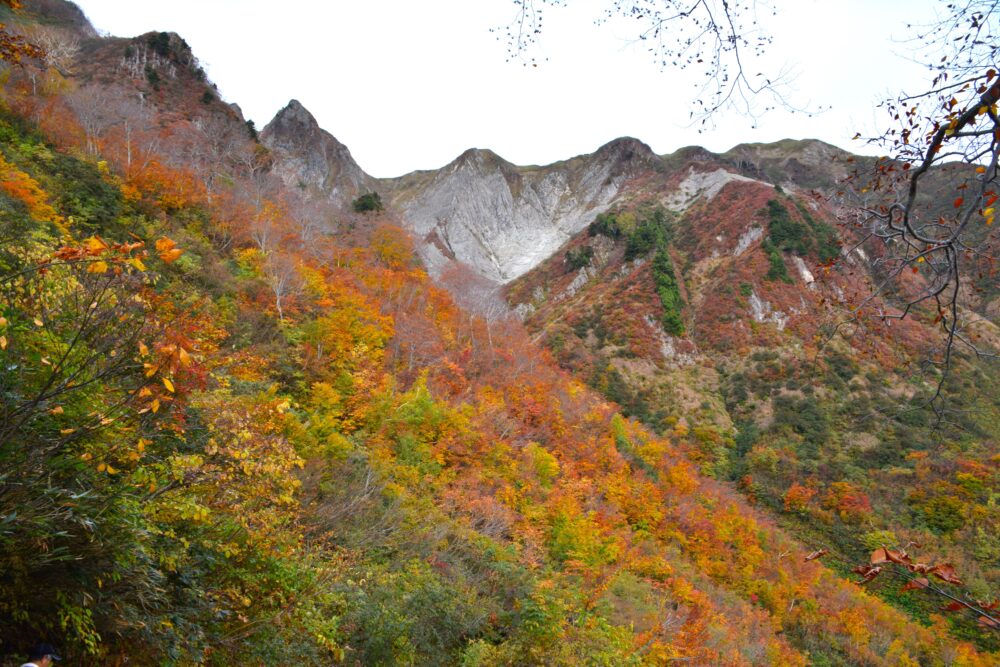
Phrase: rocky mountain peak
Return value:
(309, 157)
(293, 118)
(626, 149)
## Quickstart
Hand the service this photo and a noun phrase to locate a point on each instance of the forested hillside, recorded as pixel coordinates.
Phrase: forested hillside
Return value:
(241, 424)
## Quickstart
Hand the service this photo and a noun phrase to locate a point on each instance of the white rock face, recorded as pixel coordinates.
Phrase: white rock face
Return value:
(582, 277)
(504, 220)
(705, 184)
(762, 312)
(804, 271)
(668, 347)
(747, 239)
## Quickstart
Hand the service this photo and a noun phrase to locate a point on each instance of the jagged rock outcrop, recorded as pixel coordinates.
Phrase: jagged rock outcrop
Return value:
(503, 220)
(307, 156)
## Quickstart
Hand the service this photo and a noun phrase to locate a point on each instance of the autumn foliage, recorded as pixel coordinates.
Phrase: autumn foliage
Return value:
(227, 441)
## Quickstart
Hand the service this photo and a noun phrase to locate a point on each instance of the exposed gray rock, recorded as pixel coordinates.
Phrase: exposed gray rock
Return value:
(503, 220)
(307, 156)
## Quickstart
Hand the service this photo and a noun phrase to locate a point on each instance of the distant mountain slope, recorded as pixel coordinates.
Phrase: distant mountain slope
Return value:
(275, 439)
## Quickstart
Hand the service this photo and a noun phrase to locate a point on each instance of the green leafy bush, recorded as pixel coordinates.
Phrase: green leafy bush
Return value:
(370, 201)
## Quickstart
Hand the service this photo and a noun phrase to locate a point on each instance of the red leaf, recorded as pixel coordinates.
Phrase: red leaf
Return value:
(946, 573)
(816, 554)
(916, 584)
(954, 606)
(958, 202)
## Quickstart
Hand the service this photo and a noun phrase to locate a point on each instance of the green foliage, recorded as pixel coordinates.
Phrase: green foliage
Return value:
(643, 230)
(827, 242)
(605, 224)
(944, 514)
(411, 615)
(785, 233)
(160, 43)
(577, 258)
(788, 235)
(153, 77)
(609, 381)
(652, 230)
(804, 416)
(370, 201)
(777, 270)
(668, 291)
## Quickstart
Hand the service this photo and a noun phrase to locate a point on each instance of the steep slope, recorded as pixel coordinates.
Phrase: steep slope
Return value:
(236, 435)
(719, 308)
(307, 157)
(502, 220)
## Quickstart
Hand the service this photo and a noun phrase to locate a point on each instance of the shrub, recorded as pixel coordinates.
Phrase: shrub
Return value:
(577, 258)
(160, 43)
(668, 291)
(605, 224)
(776, 269)
(370, 201)
(785, 233)
(152, 77)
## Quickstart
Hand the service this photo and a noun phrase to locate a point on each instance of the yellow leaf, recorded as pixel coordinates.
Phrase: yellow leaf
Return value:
(98, 267)
(184, 357)
(980, 170)
(156, 405)
(58, 410)
(101, 467)
(143, 350)
(168, 384)
(137, 263)
(3, 322)
(96, 244)
(3, 342)
(66, 431)
(988, 212)
(39, 323)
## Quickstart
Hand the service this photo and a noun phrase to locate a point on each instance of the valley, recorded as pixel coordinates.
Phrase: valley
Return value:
(624, 409)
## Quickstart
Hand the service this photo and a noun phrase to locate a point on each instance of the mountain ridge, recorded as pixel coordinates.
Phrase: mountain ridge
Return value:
(503, 219)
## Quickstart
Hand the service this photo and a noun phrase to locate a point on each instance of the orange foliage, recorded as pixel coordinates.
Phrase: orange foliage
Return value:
(25, 189)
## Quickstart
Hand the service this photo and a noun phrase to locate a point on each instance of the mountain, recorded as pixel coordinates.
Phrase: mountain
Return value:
(502, 220)
(242, 422)
(307, 157)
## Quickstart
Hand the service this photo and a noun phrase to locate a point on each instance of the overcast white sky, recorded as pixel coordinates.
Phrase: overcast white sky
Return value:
(410, 84)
